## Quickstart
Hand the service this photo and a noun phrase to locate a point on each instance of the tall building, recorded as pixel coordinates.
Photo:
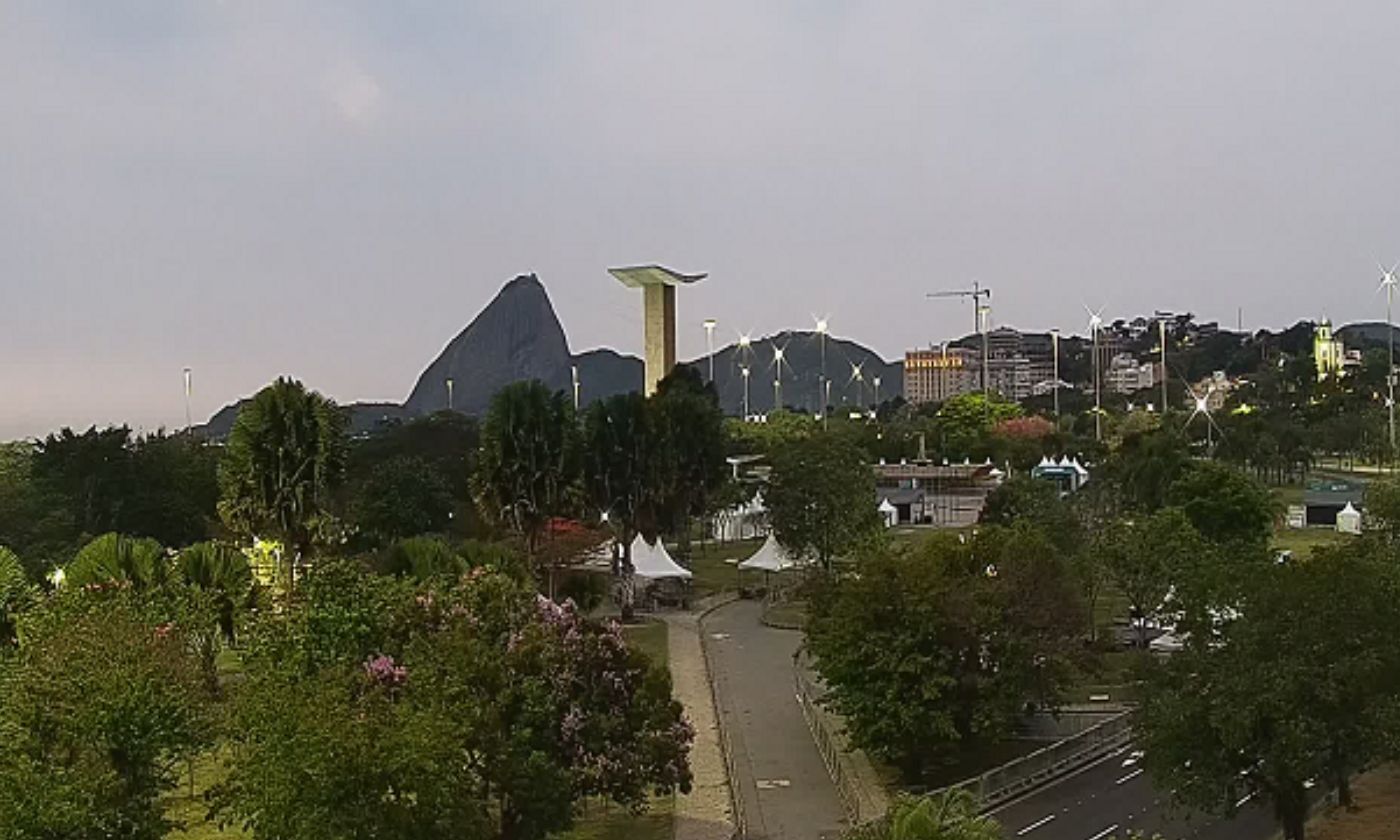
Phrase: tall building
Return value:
(935, 375)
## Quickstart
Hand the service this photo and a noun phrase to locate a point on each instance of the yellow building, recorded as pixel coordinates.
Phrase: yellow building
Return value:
(1328, 353)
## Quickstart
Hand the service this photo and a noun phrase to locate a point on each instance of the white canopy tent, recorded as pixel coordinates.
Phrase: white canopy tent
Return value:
(1349, 520)
(744, 521)
(653, 562)
(889, 513)
(771, 557)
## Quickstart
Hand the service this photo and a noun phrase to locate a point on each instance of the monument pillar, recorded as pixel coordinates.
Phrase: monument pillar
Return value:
(658, 287)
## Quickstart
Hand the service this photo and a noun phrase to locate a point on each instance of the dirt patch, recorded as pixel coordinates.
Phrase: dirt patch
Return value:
(1378, 800)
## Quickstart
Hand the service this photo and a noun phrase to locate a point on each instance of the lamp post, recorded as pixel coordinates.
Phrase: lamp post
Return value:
(1095, 322)
(876, 383)
(449, 393)
(189, 422)
(1055, 354)
(1388, 281)
(778, 394)
(573, 372)
(1162, 339)
(778, 378)
(825, 388)
(710, 345)
(745, 371)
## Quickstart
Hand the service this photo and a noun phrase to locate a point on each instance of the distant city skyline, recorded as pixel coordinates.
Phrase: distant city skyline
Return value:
(332, 191)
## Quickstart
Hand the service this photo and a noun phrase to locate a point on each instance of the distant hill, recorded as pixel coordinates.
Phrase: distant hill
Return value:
(518, 337)
(1366, 333)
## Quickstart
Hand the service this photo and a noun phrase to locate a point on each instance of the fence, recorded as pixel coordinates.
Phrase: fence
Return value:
(997, 786)
(860, 805)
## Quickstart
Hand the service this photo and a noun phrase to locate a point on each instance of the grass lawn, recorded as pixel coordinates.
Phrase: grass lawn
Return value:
(1301, 541)
(650, 638)
(787, 614)
(614, 823)
(714, 566)
(192, 810)
(1377, 814)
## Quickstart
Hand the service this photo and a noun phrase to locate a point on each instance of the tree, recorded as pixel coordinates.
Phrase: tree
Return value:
(98, 706)
(1302, 684)
(91, 472)
(529, 459)
(688, 435)
(1146, 465)
(140, 562)
(966, 420)
(1224, 504)
(284, 457)
(933, 652)
(619, 476)
(16, 594)
(401, 497)
(34, 519)
(421, 558)
(445, 444)
(1383, 507)
(821, 497)
(1144, 558)
(470, 709)
(950, 815)
(222, 571)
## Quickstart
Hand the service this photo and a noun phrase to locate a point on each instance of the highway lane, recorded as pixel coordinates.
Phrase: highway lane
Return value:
(1116, 796)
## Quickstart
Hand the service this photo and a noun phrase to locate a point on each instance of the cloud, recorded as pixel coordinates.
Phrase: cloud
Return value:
(356, 95)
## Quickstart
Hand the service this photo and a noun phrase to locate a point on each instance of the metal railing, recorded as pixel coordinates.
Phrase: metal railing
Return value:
(847, 788)
(1001, 784)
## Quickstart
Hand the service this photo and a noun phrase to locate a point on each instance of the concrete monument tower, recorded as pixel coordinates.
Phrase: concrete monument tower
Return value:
(658, 287)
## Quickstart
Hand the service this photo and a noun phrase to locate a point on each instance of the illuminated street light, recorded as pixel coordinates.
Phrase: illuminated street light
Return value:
(710, 345)
(745, 371)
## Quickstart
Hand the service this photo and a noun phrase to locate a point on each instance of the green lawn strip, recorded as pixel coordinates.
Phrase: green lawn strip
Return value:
(714, 566)
(602, 820)
(192, 810)
(1302, 541)
(650, 638)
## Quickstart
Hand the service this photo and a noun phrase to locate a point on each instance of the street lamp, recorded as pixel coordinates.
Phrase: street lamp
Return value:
(710, 345)
(189, 422)
(1095, 322)
(745, 371)
(1388, 283)
(825, 389)
(573, 371)
(876, 382)
(1055, 352)
(449, 393)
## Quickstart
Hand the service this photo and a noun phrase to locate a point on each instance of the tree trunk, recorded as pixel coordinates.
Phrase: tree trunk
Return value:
(1291, 807)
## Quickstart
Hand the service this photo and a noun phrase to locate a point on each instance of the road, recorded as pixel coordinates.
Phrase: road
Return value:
(779, 776)
(1114, 797)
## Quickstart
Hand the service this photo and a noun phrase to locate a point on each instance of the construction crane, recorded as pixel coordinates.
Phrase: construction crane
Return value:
(977, 293)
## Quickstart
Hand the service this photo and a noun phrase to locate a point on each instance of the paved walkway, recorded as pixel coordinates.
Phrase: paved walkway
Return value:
(705, 813)
(779, 775)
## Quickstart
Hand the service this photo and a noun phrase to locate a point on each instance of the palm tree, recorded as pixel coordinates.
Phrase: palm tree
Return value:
(284, 457)
(528, 466)
(619, 476)
(139, 561)
(223, 571)
(947, 815)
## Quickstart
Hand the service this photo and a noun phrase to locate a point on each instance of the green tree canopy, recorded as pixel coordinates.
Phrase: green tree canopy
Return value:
(1224, 504)
(950, 815)
(98, 704)
(821, 497)
(529, 459)
(403, 496)
(284, 457)
(688, 435)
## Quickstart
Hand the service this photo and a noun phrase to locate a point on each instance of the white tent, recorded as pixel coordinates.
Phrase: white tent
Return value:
(889, 513)
(744, 521)
(771, 557)
(653, 562)
(1349, 520)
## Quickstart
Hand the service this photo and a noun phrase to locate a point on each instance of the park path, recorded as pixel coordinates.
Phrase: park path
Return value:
(704, 813)
(779, 776)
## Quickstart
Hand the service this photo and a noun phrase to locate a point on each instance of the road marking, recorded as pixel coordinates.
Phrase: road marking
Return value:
(1130, 776)
(1033, 826)
(1105, 832)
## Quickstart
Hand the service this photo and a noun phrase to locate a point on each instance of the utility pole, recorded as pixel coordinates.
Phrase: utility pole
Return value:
(189, 421)
(710, 345)
(1388, 281)
(1162, 340)
(1055, 351)
(745, 370)
(449, 394)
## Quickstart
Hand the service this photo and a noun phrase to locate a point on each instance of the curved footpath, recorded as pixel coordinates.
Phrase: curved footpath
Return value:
(781, 782)
(704, 814)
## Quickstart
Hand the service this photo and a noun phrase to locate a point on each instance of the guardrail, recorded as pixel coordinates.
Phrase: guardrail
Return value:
(861, 798)
(1001, 784)
(736, 799)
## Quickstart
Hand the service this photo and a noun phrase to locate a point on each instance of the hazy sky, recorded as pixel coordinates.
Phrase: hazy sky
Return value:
(333, 190)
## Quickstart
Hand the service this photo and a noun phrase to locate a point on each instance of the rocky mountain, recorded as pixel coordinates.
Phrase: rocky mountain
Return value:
(517, 336)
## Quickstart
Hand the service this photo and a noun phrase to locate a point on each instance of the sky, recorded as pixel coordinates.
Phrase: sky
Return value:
(333, 190)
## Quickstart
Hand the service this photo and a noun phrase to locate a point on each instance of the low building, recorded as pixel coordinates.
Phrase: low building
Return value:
(910, 505)
(1325, 498)
(1126, 375)
(953, 494)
